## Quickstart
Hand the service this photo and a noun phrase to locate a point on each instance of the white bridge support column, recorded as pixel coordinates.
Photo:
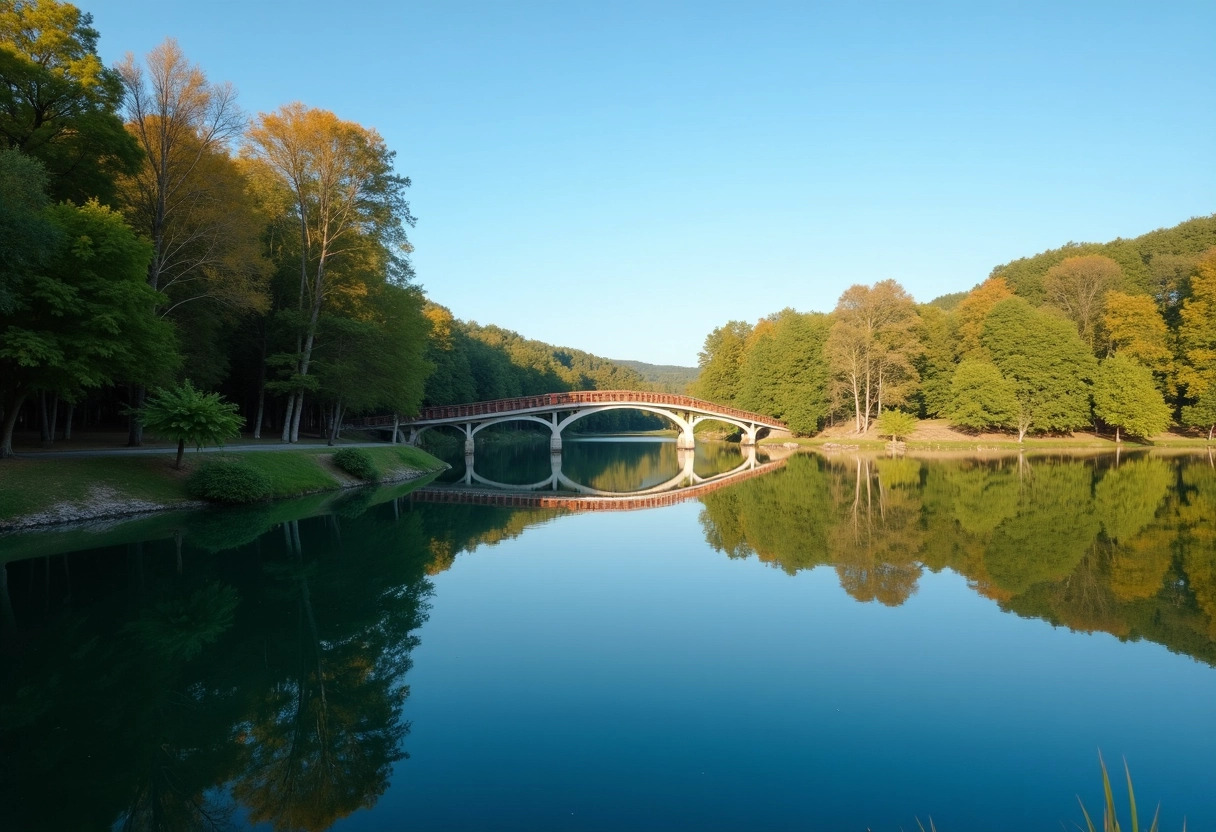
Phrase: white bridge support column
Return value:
(468, 441)
(555, 441)
(749, 435)
(686, 441)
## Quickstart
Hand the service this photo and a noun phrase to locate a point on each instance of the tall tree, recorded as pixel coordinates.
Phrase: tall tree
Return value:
(982, 397)
(784, 373)
(27, 237)
(1047, 362)
(348, 203)
(82, 321)
(1126, 398)
(1197, 332)
(871, 348)
(1078, 286)
(58, 102)
(721, 363)
(973, 310)
(182, 122)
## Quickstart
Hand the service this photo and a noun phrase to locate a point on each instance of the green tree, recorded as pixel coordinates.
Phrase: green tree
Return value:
(1045, 359)
(58, 102)
(721, 363)
(896, 424)
(27, 237)
(82, 321)
(982, 397)
(784, 373)
(1126, 398)
(1202, 414)
(190, 415)
(938, 335)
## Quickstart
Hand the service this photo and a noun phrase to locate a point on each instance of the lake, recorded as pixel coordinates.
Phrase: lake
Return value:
(810, 642)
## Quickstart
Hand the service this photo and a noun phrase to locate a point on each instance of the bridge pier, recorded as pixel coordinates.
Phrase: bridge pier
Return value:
(749, 436)
(555, 441)
(686, 441)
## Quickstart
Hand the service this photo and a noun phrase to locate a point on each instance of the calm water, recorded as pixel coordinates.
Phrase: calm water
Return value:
(844, 643)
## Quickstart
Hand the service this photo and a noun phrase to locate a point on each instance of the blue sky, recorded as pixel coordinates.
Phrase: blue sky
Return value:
(624, 177)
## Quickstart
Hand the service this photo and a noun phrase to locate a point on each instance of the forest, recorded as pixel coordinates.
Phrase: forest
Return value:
(153, 233)
(1120, 336)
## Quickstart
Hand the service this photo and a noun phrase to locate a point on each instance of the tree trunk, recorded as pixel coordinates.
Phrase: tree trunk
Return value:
(287, 419)
(181, 449)
(10, 421)
(67, 421)
(1117, 439)
(396, 426)
(44, 430)
(135, 428)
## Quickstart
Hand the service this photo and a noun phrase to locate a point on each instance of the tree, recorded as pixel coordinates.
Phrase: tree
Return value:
(184, 123)
(1078, 286)
(896, 424)
(1048, 364)
(982, 397)
(82, 320)
(938, 335)
(721, 363)
(348, 205)
(27, 237)
(784, 374)
(1197, 332)
(973, 310)
(1126, 398)
(1202, 414)
(189, 415)
(1135, 329)
(871, 347)
(58, 102)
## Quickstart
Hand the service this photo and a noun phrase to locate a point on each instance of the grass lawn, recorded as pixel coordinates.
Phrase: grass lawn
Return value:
(30, 485)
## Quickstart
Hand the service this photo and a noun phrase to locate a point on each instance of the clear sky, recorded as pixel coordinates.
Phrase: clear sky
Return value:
(623, 177)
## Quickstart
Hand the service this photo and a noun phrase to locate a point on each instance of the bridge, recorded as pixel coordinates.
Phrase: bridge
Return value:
(557, 411)
(587, 502)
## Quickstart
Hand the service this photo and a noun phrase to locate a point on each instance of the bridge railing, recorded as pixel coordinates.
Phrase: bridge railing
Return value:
(584, 397)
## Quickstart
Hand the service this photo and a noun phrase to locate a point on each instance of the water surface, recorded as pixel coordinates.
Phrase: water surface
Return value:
(845, 643)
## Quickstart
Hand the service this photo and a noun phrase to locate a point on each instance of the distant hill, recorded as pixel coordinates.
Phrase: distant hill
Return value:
(667, 378)
(1152, 262)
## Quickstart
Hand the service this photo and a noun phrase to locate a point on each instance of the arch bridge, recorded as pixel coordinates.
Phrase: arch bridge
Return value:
(557, 411)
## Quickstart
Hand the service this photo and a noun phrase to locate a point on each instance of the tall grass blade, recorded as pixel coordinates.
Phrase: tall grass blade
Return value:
(1110, 818)
(1131, 797)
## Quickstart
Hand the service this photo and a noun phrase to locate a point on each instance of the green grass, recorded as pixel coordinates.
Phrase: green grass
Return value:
(31, 485)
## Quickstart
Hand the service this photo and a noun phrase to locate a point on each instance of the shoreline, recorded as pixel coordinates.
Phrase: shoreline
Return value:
(75, 491)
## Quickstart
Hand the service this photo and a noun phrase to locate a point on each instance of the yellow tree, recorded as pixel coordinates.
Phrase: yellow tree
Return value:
(1135, 329)
(871, 346)
(349, 206)
(973, 310)
(1197, 332)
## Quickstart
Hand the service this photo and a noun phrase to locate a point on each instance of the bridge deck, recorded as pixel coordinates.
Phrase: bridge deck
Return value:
(555, 401)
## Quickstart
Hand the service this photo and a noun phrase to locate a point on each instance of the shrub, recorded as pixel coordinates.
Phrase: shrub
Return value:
(357, 462)
(896, 424)
(228, 482)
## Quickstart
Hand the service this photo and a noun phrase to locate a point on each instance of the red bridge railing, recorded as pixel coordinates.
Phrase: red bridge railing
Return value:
(462, 411)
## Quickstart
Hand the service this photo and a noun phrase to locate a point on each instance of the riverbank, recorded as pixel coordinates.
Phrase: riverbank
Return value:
(39, 491)
(937, 435)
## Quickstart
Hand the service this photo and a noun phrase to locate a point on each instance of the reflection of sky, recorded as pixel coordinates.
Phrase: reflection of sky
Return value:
(610, 671)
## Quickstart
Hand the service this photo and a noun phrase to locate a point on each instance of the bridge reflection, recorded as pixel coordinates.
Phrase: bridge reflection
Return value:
(558, 490)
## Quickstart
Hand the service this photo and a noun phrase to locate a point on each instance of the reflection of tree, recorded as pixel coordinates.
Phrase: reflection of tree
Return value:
(1051, 531)
(876, 545)
(277, 668)
(1129, 549)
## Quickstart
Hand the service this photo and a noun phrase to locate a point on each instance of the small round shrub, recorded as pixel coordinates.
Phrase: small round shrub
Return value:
(357, 462)
(228, 482)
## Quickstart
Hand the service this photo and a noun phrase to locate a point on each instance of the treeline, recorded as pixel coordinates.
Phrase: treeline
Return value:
(151, 232)
(1122, 333)
(1121, 547)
